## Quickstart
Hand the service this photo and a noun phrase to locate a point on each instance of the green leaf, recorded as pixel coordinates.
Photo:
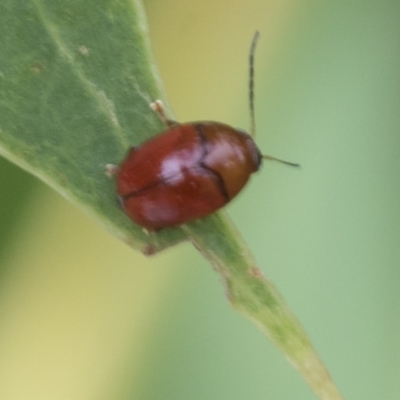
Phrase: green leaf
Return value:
(254, 296)
(76, 80)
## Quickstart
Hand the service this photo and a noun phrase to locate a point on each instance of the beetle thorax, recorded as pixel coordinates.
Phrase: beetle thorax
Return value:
(232, 154)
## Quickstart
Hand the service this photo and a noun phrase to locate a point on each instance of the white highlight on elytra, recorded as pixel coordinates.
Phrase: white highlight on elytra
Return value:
(173, 167)
(225, 151)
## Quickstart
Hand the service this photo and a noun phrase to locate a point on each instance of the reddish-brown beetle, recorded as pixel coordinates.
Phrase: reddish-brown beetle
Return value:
(189, 170)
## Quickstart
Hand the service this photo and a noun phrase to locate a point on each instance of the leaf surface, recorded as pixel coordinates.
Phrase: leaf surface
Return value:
(76, 80)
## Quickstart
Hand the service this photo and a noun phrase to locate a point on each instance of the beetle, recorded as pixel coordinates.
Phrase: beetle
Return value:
(189, 170)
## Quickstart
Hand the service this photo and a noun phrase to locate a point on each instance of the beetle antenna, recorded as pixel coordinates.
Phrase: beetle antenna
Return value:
(251, 99)
(251, 83)
(265, 157)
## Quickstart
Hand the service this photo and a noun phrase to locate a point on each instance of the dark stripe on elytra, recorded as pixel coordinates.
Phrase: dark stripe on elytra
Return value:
(139, 192)
(215, 174)
(204, 147)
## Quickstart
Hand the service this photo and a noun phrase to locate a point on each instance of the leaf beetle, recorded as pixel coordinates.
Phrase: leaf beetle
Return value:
(190, 170)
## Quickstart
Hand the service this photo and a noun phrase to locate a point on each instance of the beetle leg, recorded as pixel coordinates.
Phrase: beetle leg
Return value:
(111, 170)
(147, 232)
(158, 108)
(120, 203)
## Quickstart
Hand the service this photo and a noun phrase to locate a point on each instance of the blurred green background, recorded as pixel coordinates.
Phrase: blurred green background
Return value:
(84, 317)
